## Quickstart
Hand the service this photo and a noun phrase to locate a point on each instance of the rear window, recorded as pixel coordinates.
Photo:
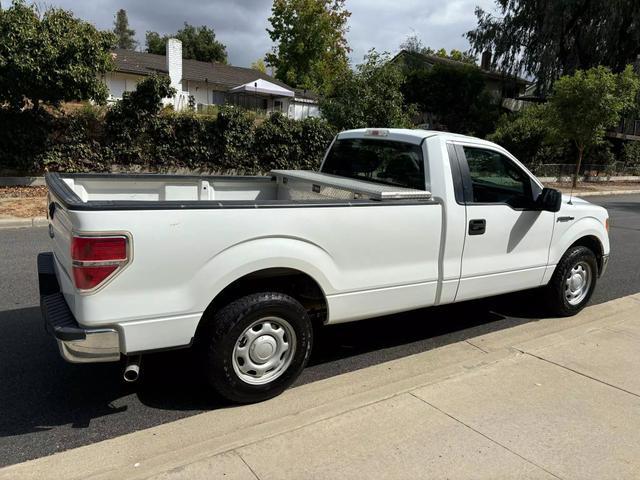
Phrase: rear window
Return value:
(382, 161)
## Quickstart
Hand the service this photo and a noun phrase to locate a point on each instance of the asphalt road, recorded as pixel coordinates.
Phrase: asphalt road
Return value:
(47, 405)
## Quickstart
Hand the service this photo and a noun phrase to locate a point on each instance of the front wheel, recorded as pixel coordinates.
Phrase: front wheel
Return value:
(573, 282)
(256, 346)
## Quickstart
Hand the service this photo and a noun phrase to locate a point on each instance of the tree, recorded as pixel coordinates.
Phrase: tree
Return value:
(584, 105)
(51, 57)
(413, 44)
(124, 35)
(551, 38)
(455, 95)
(144, 102)
(198, 43)
(259, 65)
(531, 136)
(311, 48)
(370, 96)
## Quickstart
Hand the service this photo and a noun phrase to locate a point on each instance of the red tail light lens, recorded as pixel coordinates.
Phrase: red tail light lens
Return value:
(87, 278)
(96, 258)
(90, 249)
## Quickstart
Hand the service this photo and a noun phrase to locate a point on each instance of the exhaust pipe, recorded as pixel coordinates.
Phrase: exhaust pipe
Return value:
(132, 369)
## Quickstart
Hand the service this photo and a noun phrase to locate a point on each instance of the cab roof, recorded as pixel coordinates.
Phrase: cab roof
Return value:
(407, 135)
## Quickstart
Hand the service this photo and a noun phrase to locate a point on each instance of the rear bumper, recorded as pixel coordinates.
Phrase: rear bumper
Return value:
(77, 344)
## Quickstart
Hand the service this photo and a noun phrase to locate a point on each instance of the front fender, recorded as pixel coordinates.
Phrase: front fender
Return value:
(584, 227)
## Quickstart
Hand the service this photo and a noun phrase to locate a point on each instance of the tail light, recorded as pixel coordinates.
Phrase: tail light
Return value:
(97, 258)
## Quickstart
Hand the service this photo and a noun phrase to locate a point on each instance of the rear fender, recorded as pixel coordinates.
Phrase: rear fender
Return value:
(257, 254)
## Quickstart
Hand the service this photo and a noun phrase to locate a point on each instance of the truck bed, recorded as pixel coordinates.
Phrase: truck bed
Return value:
(81, 191)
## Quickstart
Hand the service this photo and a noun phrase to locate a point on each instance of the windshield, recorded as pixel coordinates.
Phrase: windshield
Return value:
(375, 160)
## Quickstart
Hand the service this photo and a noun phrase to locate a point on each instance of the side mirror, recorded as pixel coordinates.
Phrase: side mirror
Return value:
(550, 200)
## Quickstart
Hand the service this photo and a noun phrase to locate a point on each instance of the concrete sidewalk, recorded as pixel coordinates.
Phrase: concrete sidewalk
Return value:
(553, 398)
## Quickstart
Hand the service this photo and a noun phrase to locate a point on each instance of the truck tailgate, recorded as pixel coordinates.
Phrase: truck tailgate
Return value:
(60, 230)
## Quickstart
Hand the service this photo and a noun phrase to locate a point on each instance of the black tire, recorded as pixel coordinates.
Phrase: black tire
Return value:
(557, 302)
(223, 332)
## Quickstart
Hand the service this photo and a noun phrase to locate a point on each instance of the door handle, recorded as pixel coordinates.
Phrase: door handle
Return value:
(477, 226)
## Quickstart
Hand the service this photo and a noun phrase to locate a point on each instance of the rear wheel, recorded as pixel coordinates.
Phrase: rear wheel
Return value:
(573, 282)
(256, 346)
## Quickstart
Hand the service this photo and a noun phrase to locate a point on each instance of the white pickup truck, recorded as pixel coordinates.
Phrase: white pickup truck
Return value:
(243, 267)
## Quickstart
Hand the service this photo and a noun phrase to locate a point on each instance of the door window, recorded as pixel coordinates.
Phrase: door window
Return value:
(496, 179)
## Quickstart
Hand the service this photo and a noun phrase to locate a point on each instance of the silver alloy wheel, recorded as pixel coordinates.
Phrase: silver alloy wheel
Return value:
(264, 350)
(578, 283)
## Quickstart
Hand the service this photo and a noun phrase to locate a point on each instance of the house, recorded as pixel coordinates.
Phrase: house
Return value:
(505, 89)
(208, 83)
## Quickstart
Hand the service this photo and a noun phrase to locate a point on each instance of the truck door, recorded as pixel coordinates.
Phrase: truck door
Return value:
(507, 239)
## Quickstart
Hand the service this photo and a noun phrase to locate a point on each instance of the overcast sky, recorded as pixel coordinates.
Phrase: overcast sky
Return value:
(241, 24)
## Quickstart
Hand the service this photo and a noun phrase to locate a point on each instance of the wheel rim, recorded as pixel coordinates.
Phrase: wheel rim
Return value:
(577, 283)
(264, 351)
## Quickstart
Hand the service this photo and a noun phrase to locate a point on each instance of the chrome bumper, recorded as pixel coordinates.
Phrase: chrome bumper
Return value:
(77, 344)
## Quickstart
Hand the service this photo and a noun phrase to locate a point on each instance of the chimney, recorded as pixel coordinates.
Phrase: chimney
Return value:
(174, 62)
(485, 60)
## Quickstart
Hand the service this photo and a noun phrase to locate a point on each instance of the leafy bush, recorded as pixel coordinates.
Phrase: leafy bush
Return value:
(370, 96)
(75, 143)
(631, 157)
(277, 140)
(50, 57)
(139, 134)
(315, 136)
(233, 134)
(455, 95)
(134, 126)
(23, 138)
(529, 136)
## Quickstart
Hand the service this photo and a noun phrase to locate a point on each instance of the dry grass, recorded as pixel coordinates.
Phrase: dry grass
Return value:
(23, 202)
(22, 192)
(23, 207)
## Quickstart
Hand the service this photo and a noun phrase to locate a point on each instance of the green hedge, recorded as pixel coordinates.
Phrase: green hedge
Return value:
(95, 140)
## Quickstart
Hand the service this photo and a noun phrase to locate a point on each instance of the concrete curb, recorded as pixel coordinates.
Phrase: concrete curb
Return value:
(603, 193)
(23, 222)
(22, 181)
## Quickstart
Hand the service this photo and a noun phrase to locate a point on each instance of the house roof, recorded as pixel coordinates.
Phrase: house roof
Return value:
(219, 75)
(436, 59)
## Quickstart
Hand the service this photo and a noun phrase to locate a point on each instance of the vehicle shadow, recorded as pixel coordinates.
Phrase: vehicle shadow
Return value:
(43, 395)
(39, 390)
(173, 380)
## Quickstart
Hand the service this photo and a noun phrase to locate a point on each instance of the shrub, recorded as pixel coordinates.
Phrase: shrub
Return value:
(133, 125)
(233, 132)
(76, 143)
(631, 157)
(315, 136)
(277, 140)
(370, 96)
(137, 132)
(529, 136)
(23, 138)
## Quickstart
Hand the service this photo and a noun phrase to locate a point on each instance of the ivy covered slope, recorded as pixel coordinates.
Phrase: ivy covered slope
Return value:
(138, 134)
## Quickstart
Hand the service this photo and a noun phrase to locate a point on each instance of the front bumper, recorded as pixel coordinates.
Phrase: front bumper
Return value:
(77, 344)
